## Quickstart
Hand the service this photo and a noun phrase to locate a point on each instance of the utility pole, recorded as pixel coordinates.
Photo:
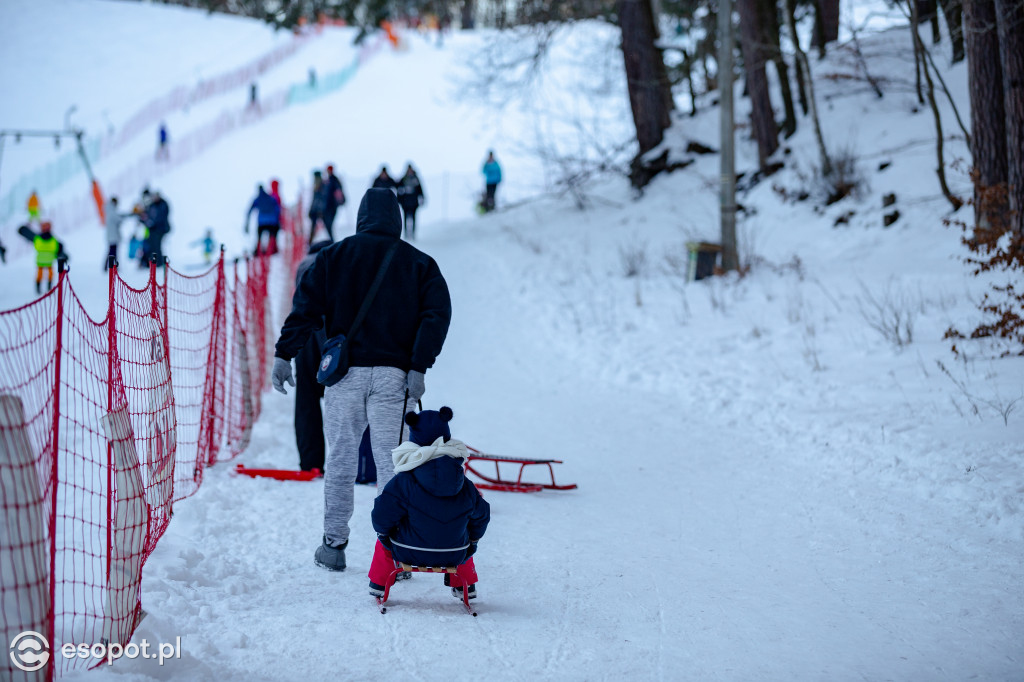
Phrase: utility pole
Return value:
(730, 260)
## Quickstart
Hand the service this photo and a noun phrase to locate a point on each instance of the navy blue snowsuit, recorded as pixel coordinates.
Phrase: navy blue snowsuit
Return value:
(432, 507)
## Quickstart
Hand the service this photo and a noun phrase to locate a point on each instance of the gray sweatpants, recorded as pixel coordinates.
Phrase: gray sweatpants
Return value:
(366, 395)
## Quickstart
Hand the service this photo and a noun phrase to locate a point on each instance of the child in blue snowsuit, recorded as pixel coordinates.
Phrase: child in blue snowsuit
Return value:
(429, 514)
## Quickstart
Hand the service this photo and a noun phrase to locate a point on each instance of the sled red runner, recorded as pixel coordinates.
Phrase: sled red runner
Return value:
(278, 474)
(496, 482)
(382, 601)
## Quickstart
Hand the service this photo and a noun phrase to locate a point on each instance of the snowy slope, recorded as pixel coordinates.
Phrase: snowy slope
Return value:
(768, 488)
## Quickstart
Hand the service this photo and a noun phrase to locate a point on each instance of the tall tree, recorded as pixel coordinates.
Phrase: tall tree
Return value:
(829, 20)
(988, 124)
(789, 18)
(468, 14)
(762, 117)
(770, 23)
(650, 95)
(1010, 15)
(954, 13)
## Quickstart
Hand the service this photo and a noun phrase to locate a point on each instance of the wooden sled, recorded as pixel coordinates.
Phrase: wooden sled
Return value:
(496, 482)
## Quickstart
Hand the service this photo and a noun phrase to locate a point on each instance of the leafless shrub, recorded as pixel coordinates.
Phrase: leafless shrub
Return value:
(845, 179)
(811, 349)
(633, 258)
(531, 245)
(676, 262)
(1004, 407)
(890, 313)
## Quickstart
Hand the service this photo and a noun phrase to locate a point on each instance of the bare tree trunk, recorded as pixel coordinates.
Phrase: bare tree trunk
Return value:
(954, 12)
(770, 19)
(914, 20)
(954, 201)
(791, 21)
(829, 20)
(988, 124)
(801, 56)
(650, 94)
(818, 34)
(1010, 15)
(762, 117)
(468, 13)
(688, 60)
(927, 10)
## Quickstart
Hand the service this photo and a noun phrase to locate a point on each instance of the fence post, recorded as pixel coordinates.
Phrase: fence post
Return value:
(111, 355)
(167, 273)
(215, 359)
(54, 466)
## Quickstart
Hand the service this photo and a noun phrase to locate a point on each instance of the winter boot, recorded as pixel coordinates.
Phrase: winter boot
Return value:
(376, 590)
(403, 575)
(331, 558)
(457, 592)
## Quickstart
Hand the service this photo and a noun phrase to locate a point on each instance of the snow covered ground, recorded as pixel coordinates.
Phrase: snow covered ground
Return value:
(768, 488)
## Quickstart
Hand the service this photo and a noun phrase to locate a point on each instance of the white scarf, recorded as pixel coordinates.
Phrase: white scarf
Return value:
(409, 455)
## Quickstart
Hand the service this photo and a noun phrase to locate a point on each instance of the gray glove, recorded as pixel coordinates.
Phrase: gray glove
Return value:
(414, 382)
(281, 373)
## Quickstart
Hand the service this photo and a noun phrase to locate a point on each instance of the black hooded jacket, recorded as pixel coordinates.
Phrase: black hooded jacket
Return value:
(408, 321)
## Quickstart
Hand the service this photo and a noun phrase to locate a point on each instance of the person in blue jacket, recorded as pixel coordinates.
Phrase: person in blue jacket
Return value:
(492, 177)
(429, 514)
(399, 340)
(268, 220)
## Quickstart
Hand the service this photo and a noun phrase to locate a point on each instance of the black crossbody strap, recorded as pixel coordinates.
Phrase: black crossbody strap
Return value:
(372, 293)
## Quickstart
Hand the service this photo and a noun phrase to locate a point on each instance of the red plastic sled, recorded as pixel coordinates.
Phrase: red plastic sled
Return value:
(496, 482)
(382, 602)
(278, 474)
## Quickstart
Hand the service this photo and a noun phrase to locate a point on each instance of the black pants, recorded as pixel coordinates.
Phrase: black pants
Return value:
(489, 200)
(271, 230)
(112, 251)
(329, 216)
(309, 420)
(153, 248)
(410, 222)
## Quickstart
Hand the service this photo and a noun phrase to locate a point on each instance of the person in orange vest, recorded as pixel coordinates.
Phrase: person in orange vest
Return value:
(33, 207)
(48, 249)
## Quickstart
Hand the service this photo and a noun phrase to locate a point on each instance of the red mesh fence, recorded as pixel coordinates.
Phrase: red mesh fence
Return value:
(103, 426)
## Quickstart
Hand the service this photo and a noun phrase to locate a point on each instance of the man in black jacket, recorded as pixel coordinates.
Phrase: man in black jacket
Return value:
(411, 197)
(398, 341)
(335, 199)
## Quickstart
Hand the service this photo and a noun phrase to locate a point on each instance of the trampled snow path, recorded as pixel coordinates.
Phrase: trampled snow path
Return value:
(693, 549)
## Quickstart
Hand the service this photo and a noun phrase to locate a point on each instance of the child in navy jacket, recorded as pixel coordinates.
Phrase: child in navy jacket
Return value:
(429, 514)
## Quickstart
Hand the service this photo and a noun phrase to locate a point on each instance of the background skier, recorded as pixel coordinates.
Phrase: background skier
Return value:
(492, 177)
(411, 197)
(334, 198)
(114, 218)
(317, 206)
(384, 180)
(268, 220)
(156, 218)
(48, 249)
